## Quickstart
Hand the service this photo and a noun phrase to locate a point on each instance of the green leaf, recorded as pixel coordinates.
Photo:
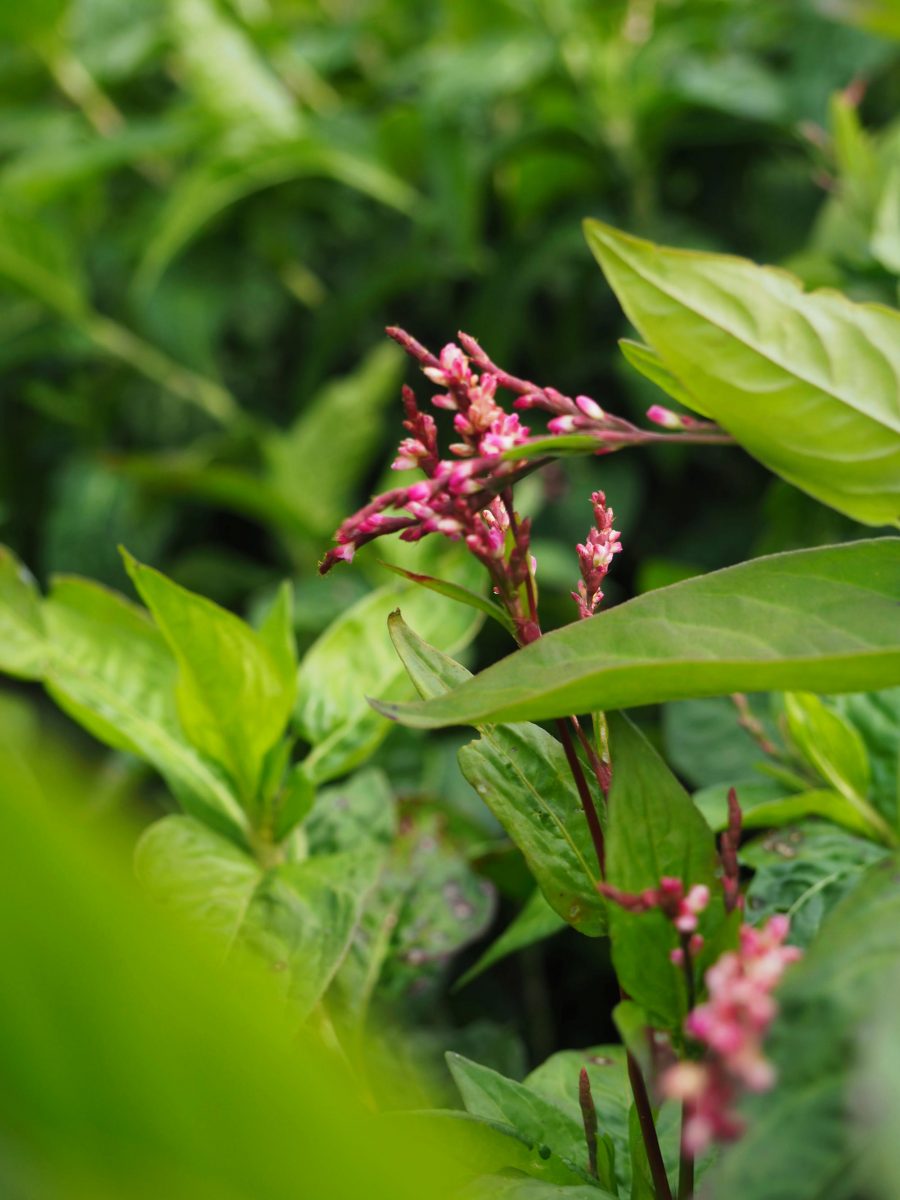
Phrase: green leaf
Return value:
(705, 743)
(522, 775)
(876, 716)
(185, 864)
(764, 805)
(354, 659)
(303, 917)
(460, 594)
(277, 629)
(494, 1187)
(808, 383)
(535, 923)
(335, 438)
(804, 871)
(823, 619)
(22, 638)
(111, 671)
(234, 695)
(829, 743)
(654, 831)
(648, 363)
(493, 1097)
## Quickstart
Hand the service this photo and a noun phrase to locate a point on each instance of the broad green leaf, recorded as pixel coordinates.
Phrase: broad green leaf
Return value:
(234, 695)
(535, 923)
(109, 668)
(360, 811)
(480, 1146)
(354, 659)
(799, 1143)
(803, 871)
(303, 917)
(522, 775)
(493, 1097)
(494, 1187)
(22, 638)
(648, 363)
(134, 1063)
(705, 743)
(808, 383)
(654, 830)
(277, 629)
(823, 620)
(316, 465)
(184, 863)
(767, 805)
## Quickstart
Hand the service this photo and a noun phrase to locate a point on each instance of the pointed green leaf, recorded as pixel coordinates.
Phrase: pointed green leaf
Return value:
(654, 830)
(444, 587)
(648, 363)
(522, 775)
(22, 638)
(821, 620)
(234, 695)
(808, 383)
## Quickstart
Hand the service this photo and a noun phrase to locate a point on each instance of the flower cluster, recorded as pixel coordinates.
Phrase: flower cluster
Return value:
(682, 907)
(595, 555)
(732, 1026)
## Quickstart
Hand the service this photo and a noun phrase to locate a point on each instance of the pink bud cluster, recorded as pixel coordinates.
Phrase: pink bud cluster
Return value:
(732, 1026)
(595, 556)
(682, 907)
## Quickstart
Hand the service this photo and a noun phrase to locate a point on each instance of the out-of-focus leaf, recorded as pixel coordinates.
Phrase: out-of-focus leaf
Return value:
(22, 649)
(798, 1142)
(184, 863)
(234, 695)
(522, 775)
(705, 742)
(876, 717)
(23, 22)
(190, 1080)
(804, 871)
(768, 805)
(37, 258)
(205, 190)
(807, 383)
(535, 923)
(492, 1097)
(316, 464)
(228, 77)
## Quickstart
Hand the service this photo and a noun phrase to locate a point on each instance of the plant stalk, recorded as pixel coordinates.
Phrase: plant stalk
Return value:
(648, 1129)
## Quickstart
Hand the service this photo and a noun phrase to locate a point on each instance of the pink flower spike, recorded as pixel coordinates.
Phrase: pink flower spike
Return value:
(562, 425)
(664, 416)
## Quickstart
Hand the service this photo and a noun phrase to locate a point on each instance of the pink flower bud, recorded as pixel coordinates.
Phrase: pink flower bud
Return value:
(664, 416)
(562, 425)
(590, 408)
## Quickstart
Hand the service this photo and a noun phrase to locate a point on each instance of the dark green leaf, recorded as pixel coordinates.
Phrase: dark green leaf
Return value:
(824, 619)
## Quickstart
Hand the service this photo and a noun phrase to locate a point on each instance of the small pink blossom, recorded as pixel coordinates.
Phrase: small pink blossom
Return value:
(665, 417)
(732, 1026)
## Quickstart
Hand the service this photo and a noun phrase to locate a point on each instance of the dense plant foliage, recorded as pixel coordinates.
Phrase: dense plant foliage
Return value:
(414, 903)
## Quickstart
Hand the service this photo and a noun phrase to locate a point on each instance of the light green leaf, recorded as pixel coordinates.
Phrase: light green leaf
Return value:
(109, 668)
(303, 917)
(654, 831)
(809, 383)
(497, 1187)
(354, 659)
(535, 923)
(522, 775)
(823, 620)
(22, 639)
(184, 863)
(493, 1097)
(886, 229)
(277, 629)
(876, 716)
(453, 591)
(234, 696)
(228, 77)
(648, 363)
(316, 464)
